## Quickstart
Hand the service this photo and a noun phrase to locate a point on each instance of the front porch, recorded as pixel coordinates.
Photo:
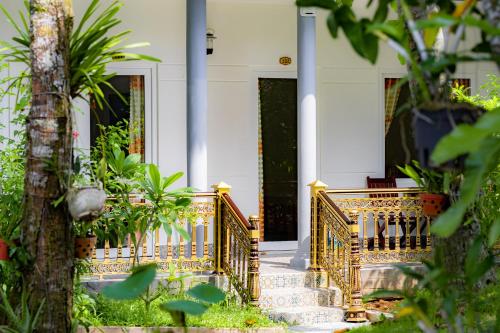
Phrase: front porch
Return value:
(356, 235)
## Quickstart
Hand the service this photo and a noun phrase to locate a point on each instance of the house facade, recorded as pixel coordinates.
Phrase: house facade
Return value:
(275, 106)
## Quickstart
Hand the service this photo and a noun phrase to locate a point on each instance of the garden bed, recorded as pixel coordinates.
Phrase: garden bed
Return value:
(118, 329)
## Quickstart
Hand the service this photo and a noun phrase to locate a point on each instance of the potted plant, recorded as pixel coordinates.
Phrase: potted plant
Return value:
(434, 184)
(85, 239)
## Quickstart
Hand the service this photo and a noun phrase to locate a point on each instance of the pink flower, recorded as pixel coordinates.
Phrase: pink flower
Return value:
(75, 134)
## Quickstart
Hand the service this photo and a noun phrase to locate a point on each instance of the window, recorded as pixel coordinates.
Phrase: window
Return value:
(129, 108)
(399, 142)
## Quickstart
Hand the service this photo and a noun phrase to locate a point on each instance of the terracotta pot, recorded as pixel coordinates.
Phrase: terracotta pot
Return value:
(84, 247)
(433, 204)
(4, 250)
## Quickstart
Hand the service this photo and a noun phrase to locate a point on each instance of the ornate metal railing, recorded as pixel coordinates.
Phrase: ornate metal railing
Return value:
(237, 253)
(114, 258)
(392, 227)
(389, 223)
(222, 241)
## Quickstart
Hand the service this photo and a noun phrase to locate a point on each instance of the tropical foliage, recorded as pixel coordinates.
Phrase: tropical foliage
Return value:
(93, 46)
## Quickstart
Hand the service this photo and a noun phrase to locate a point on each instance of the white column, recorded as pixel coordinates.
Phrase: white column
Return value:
(196, 79)
(196, 63)
(306, 94)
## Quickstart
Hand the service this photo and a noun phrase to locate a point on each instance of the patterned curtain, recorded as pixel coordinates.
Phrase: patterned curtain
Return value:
(136, 122)
(392, 92)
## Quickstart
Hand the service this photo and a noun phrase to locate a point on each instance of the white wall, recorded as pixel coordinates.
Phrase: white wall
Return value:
(251, 36)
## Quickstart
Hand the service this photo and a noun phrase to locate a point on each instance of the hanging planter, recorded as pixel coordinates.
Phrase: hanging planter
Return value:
(430, 124)
(86, 203)
(433, 204)
(84, 247)
(4, 251)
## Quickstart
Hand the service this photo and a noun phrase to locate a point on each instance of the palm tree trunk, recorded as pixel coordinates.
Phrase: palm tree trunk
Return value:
(46, 229)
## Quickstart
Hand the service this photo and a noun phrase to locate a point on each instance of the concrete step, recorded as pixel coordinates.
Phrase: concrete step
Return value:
(300, 296)
(307, 315)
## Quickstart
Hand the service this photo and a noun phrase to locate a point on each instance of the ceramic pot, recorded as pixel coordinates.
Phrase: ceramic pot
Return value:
(4, 250)
(433, 204)
(84, 247)
(86, 203)
(430, 125)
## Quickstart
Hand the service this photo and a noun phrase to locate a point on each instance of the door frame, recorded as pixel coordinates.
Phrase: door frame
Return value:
(268, 72)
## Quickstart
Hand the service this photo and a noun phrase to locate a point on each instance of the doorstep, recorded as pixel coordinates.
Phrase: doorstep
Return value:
(121, 329)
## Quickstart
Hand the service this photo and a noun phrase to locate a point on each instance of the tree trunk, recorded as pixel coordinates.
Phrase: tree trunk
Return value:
(46, 229)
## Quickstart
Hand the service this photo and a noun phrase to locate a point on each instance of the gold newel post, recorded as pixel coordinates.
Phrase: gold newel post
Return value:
(219, 245)
(356, 312)
(316, 234)
(253, 263)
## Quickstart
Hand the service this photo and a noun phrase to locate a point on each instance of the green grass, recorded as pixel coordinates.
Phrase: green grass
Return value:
(403, 325)
(133, 313)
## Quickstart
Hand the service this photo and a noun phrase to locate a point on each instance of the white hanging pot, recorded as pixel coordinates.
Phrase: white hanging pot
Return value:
(86, 203)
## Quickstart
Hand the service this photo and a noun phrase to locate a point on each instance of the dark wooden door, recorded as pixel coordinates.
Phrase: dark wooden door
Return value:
(278, 110)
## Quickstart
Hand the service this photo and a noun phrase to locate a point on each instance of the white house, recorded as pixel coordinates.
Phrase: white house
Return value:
(222, 116)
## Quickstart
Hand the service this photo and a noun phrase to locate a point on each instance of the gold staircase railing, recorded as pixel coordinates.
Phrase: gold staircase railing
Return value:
(222, 241)
(389, 223)
(237, 245)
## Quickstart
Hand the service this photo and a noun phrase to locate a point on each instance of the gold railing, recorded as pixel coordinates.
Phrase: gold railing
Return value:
(389, 223)
(222, 241)
(392, 227)
(237, 253)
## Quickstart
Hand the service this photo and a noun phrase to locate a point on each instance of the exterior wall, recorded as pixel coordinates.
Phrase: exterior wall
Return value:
(251, 36)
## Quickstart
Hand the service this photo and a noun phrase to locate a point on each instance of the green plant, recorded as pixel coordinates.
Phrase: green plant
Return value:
(20, 319)
(437, 303)
(488, 97)
(429, 180)
(481, 144)
(137, 285)
(84, 308)
(429, 66)
(92, 48)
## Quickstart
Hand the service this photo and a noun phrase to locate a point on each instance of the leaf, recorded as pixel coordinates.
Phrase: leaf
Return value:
(135, 284)
(466, 138)
(477, 165)
(332, 25)
(494, 233)
(184, 306)
(207, 293)
(474, 270)
(184, 234)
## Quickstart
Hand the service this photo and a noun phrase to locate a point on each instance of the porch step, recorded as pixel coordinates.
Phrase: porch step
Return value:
(292, 278)
(306, 315)
(300, 296)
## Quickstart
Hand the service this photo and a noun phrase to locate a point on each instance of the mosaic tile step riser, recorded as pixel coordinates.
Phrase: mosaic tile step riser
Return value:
(321, 297)
(329, 315)
(294, 280)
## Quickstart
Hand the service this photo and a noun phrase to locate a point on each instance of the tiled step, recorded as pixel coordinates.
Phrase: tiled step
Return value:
(291, 279)
(307, 315)
(292, 297)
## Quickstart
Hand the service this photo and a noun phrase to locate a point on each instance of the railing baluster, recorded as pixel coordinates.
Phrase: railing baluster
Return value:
(375, 228)
(156, 252)
(365, 232)
(418, 245)
(193, 239)
(205, 237)
(170, 255)
(386, 231)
